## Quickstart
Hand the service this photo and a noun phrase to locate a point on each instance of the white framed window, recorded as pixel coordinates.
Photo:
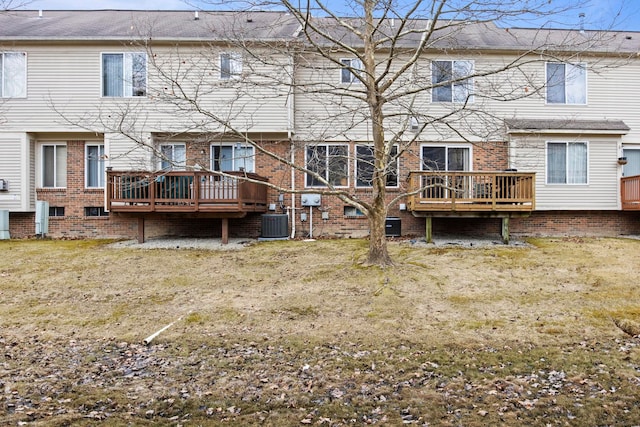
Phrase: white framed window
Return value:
(566, 83)
(567, 162)
(365, 166)
(94, 165)
(54, 165)
(233, 157)
(445, 158)
(124, 74)
(13, 75)
(449, 82)
(350, 67)
(330, 161)
(173, 156)
(230, 65)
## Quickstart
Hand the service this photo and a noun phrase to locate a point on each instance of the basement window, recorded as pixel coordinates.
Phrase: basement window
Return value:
(353, 212)
(56, 211)
(95, 211)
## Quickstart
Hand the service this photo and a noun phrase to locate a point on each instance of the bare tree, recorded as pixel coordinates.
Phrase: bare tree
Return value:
(370, 79)
(13, 4)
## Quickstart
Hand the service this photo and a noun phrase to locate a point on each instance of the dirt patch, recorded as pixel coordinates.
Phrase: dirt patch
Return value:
(298, 332)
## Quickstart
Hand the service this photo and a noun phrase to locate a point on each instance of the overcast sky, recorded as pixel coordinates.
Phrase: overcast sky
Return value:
(622, 14)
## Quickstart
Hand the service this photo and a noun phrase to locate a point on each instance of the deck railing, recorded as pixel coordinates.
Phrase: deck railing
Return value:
(185, 191)
(471, 191)
(630, 192)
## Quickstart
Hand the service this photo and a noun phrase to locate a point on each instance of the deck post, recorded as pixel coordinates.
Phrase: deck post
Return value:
(141, 229)
(505, 230)
(225, 231)
(429, 230)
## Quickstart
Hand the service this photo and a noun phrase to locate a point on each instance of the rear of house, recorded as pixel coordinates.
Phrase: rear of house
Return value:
(87, 127)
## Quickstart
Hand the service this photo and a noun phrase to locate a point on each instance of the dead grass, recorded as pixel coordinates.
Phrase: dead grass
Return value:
(88, 290)
(437, 307)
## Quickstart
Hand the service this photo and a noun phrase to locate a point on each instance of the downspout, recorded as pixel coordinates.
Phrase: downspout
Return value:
(290, 125)
(293, 195)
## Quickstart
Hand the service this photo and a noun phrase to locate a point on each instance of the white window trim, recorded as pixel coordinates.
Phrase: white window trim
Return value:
(41, 162)
(25, 81)
(447, 146)
(234, 146)
(354, 79)
(546, 164)
(355, 167)
(86, 164)
(146, 77)
(471, 95)
(234, 57)
(172, 167)
(586, 84)
(326, 145)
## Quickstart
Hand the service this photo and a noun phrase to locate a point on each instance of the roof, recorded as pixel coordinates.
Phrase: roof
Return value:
(474, 35)
(566, 126)
(136, 24)
(88, 25)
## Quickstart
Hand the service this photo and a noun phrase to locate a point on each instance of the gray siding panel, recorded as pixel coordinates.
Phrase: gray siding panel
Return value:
(14, 168)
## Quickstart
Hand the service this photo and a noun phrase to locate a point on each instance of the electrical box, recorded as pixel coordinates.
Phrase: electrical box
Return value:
(4, 185)
(42, 218)
(311, 200)
(4, 224)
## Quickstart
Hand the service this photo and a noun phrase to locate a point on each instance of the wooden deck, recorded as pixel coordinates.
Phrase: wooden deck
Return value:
(630, 193)
(203, 194)
(183, 192)
(471, 192)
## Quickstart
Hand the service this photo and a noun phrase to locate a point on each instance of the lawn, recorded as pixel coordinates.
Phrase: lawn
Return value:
(295, 333)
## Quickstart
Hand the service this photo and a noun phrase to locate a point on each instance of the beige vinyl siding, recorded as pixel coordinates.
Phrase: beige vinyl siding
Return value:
(125, 154)
(18, 170)
(321, 113)
(613, 87)
(602, 189)
(64, 93)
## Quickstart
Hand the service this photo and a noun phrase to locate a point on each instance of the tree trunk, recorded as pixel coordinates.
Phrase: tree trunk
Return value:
(378, 254)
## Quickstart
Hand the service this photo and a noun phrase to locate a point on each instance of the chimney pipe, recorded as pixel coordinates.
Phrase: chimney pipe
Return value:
(196, 16)
(40, 13)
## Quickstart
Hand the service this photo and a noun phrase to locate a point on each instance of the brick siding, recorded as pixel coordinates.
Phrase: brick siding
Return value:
(486, 157)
